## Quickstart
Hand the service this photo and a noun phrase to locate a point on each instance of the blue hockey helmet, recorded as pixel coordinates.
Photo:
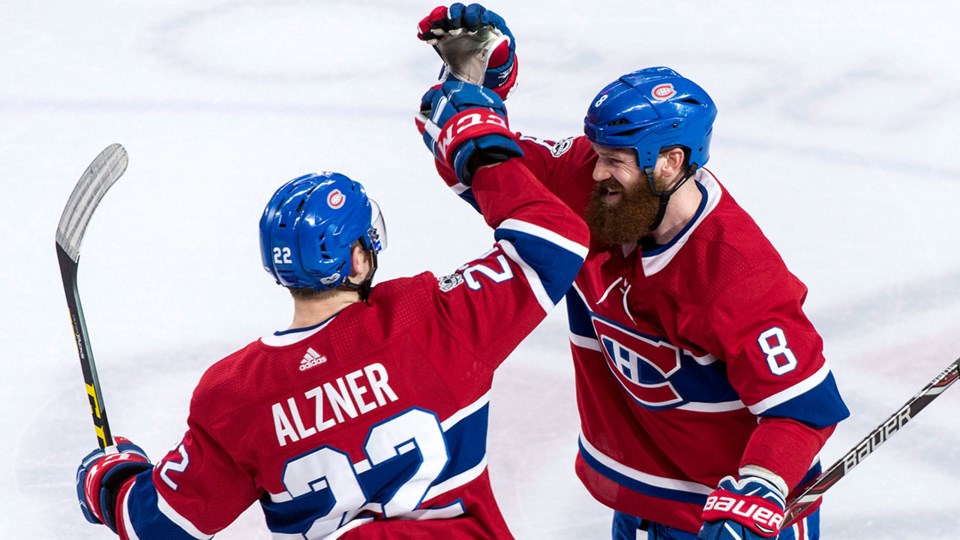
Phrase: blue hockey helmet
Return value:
(310, 225)
(652, 109)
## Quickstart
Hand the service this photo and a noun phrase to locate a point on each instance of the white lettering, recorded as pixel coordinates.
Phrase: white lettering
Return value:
(763, 515)
(340, 400)
(282, 424)
(317, 394)
(344, 395)
(377, 376)
(738, 509)
(866, 447)
(358, 392)
(724, 504)
(297, 421)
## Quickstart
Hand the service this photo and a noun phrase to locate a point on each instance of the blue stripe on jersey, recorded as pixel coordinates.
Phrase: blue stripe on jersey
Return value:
(466, 445)
(821, 406)
(145, 516)
(471, 200)
(578, 315)
(639, 486)
(555, 265)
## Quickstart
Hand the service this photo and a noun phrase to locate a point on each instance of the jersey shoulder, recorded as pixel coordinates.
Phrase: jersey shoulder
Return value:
(727, 248)
(575, 149)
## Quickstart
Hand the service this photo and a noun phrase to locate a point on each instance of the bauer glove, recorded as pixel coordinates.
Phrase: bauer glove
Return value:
(747, 509)
(101, 475)
(465, 126)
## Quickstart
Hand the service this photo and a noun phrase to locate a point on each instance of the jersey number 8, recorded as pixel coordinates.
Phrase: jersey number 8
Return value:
(779, 357)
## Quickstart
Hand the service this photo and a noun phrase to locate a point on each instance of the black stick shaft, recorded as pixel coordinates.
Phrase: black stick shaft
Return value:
(799, 506)
(68, 271)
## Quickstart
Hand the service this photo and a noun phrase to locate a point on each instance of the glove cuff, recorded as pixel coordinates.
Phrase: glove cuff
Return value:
(111, 486)
(775, 480)
(469, 124)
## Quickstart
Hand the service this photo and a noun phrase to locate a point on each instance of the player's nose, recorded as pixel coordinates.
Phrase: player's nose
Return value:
(600, 173)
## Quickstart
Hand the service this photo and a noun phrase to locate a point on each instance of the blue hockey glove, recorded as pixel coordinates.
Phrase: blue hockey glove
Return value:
(101, 475)
(465, 126)
(747, 509)
(448, 28)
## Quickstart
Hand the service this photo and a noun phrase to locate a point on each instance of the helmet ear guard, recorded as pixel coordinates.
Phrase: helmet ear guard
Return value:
(309, 227)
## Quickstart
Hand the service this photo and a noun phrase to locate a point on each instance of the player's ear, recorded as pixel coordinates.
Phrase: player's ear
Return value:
(361, 263)
(674, 160)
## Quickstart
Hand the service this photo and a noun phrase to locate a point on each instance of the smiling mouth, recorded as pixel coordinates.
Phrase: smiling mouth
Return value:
(610, 195)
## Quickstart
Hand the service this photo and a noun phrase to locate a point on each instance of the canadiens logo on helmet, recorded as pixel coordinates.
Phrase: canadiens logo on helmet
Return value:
(336, 199)
(663, 91)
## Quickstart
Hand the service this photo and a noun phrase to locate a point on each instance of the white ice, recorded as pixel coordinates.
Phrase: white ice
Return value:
(838, 131)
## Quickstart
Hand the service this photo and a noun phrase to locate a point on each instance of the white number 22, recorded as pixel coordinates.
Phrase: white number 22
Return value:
(281, 255)
(329, 468)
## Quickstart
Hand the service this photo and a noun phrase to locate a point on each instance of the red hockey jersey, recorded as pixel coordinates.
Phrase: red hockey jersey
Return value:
(373, 423)
(681, 351)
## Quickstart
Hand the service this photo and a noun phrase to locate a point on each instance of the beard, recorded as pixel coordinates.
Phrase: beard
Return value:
(625, 221)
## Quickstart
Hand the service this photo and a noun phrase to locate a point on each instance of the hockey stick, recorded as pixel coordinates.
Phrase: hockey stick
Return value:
(801, 504)
(96, 180)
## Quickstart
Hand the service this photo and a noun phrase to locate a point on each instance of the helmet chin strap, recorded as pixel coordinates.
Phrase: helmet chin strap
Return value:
(666, 194)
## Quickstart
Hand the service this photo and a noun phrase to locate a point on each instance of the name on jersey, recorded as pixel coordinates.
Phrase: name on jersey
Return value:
(331, 403)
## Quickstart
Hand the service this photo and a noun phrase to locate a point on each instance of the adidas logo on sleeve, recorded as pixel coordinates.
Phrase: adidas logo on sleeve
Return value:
(311, 359)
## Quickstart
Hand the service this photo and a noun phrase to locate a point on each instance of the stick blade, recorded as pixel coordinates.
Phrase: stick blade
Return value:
(105, 169)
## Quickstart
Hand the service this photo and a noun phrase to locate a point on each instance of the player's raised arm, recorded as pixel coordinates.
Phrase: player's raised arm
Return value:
(541, 242)
(476, 46)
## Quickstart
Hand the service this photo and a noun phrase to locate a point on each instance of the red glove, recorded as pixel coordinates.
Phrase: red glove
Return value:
(101, 475)
(746, 509)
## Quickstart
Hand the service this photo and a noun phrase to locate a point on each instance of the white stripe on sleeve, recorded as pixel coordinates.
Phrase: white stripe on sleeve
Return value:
(546, 234)
(533, 278)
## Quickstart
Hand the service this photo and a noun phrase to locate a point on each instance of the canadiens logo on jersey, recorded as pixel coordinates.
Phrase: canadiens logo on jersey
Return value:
(641, 364)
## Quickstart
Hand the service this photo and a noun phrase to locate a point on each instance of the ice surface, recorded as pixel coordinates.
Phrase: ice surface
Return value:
(838, 131)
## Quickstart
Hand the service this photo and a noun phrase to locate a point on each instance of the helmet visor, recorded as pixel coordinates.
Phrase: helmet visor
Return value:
(378, 229)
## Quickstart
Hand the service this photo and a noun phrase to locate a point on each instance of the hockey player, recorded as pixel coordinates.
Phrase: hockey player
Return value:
(703, 392)
(367, 418)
